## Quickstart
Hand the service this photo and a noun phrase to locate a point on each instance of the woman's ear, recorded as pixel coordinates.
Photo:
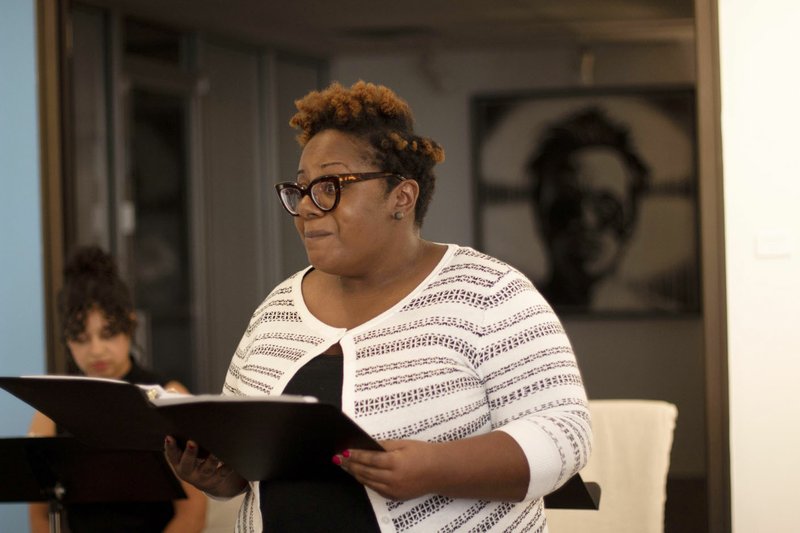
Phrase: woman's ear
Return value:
(405, 197)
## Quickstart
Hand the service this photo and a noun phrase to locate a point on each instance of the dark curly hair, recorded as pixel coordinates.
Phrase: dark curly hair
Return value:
(91, 280)
(377, 115)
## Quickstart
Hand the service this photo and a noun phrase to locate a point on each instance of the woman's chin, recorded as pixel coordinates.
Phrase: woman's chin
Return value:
(324, 262)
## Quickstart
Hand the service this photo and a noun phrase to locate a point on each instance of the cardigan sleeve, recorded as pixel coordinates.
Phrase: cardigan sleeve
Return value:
(533, 384)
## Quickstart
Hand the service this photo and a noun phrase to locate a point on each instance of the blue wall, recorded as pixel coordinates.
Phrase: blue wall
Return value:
(22, 344)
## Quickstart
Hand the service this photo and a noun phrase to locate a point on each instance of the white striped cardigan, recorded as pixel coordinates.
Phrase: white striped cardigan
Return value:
(474, 348)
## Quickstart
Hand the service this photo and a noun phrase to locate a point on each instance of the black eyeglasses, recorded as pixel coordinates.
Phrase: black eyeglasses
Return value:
(324, 191)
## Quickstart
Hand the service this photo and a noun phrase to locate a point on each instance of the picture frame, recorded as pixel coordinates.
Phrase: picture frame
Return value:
(592, 193)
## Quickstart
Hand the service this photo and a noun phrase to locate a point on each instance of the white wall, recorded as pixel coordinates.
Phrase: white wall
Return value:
(760, 83)
(660, 359)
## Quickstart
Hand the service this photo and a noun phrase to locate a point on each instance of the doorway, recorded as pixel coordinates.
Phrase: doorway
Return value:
(132, 179)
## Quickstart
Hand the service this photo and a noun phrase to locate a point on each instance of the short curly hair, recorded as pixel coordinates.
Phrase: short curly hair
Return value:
(377, 115)
(92, 281)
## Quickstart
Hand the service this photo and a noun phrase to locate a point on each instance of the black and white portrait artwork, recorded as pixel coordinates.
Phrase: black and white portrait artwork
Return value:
(593, 195)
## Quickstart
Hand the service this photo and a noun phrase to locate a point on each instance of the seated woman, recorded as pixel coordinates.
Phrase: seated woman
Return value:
(98, 322)
(449, 357)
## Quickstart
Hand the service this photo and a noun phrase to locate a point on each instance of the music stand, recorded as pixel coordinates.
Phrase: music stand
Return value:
(574, 494)
(62, 471)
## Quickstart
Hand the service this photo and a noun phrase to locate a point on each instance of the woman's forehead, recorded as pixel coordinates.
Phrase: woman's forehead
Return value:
(331, 148)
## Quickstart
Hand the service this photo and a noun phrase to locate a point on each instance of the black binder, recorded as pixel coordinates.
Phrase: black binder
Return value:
(261, 438)
(271, 437)
(100, 412)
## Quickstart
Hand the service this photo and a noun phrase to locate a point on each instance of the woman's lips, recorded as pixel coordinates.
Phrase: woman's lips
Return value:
(99, 367)
(316, 234)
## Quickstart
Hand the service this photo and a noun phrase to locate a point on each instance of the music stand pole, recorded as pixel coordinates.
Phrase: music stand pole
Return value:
(55, 506)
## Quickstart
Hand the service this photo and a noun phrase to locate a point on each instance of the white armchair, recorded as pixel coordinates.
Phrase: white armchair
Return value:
(630, 460)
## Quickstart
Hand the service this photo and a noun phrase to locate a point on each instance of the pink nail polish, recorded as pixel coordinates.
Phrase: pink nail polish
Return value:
(336, 460)
(346, 453)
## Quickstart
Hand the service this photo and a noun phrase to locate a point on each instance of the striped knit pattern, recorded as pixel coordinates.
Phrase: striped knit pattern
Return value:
(475, 348)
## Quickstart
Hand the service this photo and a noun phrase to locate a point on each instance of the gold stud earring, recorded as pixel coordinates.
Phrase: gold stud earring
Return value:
(398, 215)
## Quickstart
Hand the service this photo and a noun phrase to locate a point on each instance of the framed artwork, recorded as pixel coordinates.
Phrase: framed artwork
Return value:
(593, 195)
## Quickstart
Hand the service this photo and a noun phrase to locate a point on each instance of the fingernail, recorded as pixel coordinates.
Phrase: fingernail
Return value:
(346, 453)
(191, 446)
(167, 441)
(336, 460)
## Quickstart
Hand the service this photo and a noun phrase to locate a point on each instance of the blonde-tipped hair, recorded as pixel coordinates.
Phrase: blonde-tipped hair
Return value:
(376, 115)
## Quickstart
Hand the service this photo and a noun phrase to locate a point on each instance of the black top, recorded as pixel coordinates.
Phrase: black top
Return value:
(123, 517)
(335, 502)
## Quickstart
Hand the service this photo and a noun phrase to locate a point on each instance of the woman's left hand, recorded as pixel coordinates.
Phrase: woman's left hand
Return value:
(405, 470)
(491, 466)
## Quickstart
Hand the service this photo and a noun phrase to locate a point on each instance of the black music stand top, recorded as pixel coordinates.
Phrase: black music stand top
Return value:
(33, 467)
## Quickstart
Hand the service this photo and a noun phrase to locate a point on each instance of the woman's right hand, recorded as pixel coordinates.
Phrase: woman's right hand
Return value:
(208, 474)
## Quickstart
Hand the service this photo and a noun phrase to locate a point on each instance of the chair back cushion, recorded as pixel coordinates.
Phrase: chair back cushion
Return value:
(630, 460)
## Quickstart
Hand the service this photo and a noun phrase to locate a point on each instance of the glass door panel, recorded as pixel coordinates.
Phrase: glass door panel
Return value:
(159, 242)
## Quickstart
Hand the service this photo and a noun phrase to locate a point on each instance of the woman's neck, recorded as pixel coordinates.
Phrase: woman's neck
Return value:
(402, 264)
(350, 301)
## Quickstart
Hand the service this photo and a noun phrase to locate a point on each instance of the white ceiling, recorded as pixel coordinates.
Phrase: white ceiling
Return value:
(330, 27)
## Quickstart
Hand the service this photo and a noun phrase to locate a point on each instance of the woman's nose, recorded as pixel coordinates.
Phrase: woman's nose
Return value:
(95, 345)
(307, 207)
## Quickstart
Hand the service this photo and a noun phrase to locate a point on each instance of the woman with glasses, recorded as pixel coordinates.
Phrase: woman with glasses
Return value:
(449, 358)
